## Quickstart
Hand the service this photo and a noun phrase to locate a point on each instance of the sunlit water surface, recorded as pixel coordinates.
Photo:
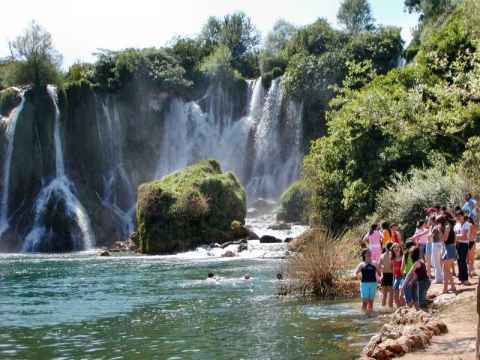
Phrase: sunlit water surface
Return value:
(81, 306)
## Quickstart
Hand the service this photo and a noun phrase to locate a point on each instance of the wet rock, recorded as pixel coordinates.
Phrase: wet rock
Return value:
(268, 239)
(408, 330)
(228, 254)
(242, 247)
(280, 226)
(104, 253)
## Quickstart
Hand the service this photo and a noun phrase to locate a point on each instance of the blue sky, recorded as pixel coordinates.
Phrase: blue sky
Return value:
(81, 27)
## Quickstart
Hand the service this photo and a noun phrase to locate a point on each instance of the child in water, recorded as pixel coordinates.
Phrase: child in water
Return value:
(368, 285)
(385, 266)
(396, 255)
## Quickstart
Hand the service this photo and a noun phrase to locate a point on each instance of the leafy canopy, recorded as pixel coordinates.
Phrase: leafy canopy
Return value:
(355, 16)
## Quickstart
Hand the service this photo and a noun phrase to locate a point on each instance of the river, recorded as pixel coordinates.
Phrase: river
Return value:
(81, 306)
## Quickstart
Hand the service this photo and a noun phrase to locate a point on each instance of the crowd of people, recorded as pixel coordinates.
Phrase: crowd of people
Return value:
(442, 248)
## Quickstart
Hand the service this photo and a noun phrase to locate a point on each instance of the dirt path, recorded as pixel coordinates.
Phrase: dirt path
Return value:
(460, 315)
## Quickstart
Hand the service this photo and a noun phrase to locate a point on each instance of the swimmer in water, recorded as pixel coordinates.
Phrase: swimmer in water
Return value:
(279, 276)
(247, 277)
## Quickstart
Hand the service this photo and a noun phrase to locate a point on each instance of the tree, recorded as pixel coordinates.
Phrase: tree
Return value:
(429, 8)
(235, 31)
(279, 37)
(37, 60)
(355, 15)
(218, 66)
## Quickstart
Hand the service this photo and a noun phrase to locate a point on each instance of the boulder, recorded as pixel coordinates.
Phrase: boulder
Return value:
(295, 203)
(280, 226)
(268, 239)
(188, 208)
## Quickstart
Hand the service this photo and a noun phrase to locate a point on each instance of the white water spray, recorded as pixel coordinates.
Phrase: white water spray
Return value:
(263, 148)
(11, 122)
(116, 180)
(59, 188)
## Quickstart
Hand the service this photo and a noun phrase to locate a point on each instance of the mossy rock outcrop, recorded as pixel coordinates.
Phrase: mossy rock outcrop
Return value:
(188, 208)
(295, 203)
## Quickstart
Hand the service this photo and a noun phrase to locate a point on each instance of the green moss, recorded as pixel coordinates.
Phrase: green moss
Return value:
(188, 208)
(8, 100)
(295, 203)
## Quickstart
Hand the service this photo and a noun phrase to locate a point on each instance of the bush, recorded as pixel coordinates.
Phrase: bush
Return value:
(218, 66)
(191, 207)
(404, 201)
(114, 70)
(322, 267)
(9, 98)
(295, 203)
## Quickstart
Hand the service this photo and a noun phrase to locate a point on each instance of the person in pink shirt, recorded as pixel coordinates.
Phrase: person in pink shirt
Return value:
(374, 238)
(421, 238)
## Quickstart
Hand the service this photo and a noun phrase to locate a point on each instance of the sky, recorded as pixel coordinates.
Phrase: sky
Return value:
(79, 27)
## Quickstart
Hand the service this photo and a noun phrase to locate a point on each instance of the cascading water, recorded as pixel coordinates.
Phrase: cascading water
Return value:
(11, 122)
(118, 194)
(262, 148)
(58, 197)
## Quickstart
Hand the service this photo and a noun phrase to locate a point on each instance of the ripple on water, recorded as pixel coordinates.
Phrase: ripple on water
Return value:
(80, 306)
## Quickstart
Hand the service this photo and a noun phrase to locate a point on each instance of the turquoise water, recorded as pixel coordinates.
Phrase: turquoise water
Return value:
(132, 307)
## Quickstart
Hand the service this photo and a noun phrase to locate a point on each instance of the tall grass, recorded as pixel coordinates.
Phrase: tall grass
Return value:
(322, 267)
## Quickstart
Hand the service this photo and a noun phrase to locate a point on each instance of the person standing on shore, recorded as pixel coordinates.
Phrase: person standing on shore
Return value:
(407, 292)
(421, 236)
(386, 234)
(396, 255)
(368, 284)
(438, 235)
(470, 206)
(417, 273)
(374, 238)
(462, 234)
(472, 247)
(449, 257)
(396, 236)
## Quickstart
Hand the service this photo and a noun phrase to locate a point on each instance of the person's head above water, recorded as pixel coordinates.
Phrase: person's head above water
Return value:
(279, 276)
(247, 277)
(211, 275)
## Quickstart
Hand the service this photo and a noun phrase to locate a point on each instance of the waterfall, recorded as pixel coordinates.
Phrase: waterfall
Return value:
(11, 122)
(116, 180)
(263, 148)
(59, 195)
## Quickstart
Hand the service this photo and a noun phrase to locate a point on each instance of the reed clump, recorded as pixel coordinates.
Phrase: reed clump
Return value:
(321, 266)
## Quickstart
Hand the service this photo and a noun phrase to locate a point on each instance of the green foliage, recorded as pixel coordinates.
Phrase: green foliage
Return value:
(295, 202)
(189, 53)
(188, 208)
(382, 46)
(310, 77)
(355, 15)
(37, 61)
(315, 38)
(441, 49)
(404, 201)
(218, 66)
(155, 67)
(9, 98)
(79, 72)
(382, 129)
(430, 8)
(278, 38)
(236, 32)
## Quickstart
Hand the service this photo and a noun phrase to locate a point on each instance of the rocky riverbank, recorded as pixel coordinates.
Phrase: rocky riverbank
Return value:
(446, 331)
